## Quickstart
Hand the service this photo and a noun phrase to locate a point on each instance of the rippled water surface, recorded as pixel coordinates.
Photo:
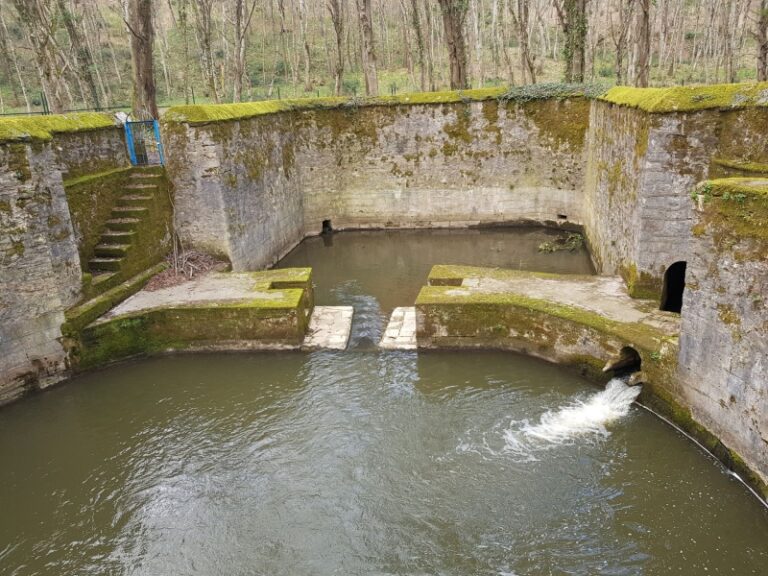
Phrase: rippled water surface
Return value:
(360, 462)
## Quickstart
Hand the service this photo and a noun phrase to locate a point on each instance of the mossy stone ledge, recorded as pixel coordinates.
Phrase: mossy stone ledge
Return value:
(465, 306)
(231, 311)
(205, 113)
(690, 98)
(43, 128)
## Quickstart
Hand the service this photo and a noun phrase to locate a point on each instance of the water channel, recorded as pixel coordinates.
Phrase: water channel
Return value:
(363, 461)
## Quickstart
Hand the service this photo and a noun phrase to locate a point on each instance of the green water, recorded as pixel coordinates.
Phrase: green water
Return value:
(360, 462)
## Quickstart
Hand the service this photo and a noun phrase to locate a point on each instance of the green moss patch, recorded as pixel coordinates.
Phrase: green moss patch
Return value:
(641, 285)
(80, 316)
(221, 112)
(199, 114)
(690, 98)
(733, 210)
(638, 334)
(44, 127)
(451, 275)
(276, 315)
(742, 166)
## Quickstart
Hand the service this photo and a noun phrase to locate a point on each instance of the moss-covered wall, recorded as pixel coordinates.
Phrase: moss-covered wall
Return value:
(646, 152)
(275, 315)
(91, 200)
(723, 365)
(91, 152)
(39, 267)
(252, 184)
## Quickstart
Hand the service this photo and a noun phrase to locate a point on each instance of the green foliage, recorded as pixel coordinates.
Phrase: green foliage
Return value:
(570, 242)
(552, 90)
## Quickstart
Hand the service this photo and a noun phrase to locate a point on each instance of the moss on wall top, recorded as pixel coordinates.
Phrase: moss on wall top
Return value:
(742, 165)
(642, 335)
(199, 114)
(443, 273)
(734, 207)
(689, 98)
(222, 112)
(44, 127)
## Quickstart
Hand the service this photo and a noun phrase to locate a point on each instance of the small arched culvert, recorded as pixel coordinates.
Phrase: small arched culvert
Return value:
(627, 362)
(674, 286)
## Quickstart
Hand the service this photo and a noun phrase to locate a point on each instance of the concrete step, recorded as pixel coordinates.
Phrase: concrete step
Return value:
(110, 236)
(134, 200)
(97, 279)
(110, 264)
(129, 211)
(145, 175)
(109, 250)
(329, 328)
(123, 224)
(140, 187)
(401, 330)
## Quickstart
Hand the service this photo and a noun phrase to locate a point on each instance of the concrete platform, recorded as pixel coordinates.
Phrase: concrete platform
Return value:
(267, 310)
(329, 328)
(215, 289)
(401, 330)
(585, 321)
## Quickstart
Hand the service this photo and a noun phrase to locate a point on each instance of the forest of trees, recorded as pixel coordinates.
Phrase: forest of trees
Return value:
(98, 54)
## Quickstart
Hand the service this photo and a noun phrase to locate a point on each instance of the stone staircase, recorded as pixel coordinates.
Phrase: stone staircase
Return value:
(120, 231)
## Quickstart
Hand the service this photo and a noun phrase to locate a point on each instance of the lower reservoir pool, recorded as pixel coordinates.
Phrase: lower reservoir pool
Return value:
(365, 461)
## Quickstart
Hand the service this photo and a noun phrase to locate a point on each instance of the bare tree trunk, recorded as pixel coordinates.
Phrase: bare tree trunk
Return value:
(573, 18)
(454, 17)
(83, 56)
(31, 13)
(337, 9)
(762, 42)
(643, 44)
(429, 53)
(9, 53)
(624, 14)
(204, 28)
(367, 51)
(142, 34)
(520, 20)
(416, 23)
(243, 17)
(305, 41)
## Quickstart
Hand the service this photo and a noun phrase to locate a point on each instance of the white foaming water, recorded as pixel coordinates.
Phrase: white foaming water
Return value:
(580, 418)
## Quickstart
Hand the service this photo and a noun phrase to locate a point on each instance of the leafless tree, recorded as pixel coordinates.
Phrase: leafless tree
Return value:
(367, 49)
(761, 35)
(142, 34)
(454, 18)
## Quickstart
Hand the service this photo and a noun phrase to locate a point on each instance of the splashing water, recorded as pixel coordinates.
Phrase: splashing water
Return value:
(580, 418)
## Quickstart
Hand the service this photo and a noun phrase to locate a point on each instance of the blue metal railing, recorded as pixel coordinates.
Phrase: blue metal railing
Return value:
(144, 145)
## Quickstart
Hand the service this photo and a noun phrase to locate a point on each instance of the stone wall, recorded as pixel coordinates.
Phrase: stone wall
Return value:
(81, 153)
(251, 188)
(640, 171)
(40, 271)
(643, 161)
(723, 364)
(39, 268)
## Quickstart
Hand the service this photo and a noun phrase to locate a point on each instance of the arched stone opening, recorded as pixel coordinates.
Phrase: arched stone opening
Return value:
(674, 286)
(627, 362)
